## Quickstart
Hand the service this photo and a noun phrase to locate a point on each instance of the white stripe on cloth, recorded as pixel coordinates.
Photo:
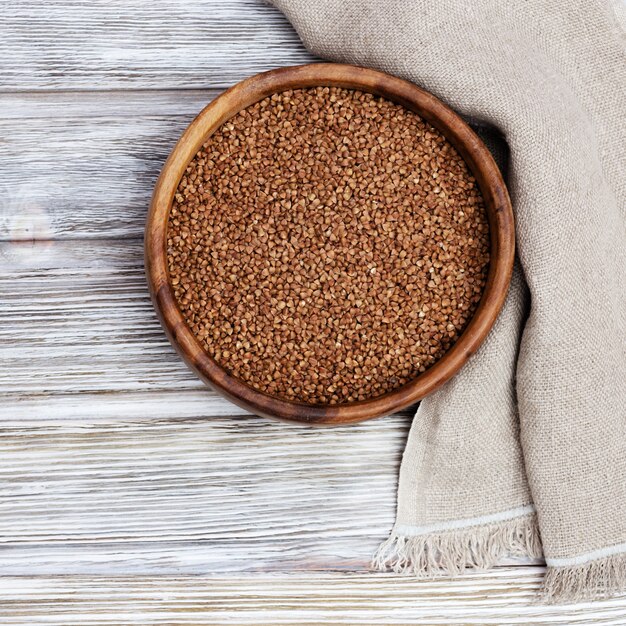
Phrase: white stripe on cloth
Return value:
(581, 559)
(414, 531)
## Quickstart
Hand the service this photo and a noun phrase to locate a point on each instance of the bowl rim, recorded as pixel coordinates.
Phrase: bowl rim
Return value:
(470, 146)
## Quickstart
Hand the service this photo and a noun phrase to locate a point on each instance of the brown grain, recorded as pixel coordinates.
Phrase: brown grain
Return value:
(327, 245)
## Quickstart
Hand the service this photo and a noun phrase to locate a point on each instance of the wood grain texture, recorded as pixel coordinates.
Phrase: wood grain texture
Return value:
(81, 407)
(77, 318)
(184, 493)
(140, 44)
(501, 597)
(88, 169)
(194, 495)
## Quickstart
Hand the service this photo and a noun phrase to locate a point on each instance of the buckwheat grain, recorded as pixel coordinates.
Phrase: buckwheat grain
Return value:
(326, 245)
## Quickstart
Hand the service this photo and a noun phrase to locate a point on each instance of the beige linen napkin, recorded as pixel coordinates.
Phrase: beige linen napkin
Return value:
(527, 445)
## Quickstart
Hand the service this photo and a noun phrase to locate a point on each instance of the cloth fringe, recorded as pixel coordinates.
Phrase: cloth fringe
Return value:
(598, 579)
(448, 553)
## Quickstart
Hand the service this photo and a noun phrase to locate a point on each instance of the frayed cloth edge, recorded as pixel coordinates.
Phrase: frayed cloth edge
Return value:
(602, 578)
(448, 553)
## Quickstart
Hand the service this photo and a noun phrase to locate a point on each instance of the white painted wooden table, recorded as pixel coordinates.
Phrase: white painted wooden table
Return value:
(129, 493)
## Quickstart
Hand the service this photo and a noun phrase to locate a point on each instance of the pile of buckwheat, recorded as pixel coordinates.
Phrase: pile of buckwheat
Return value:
(326, 245)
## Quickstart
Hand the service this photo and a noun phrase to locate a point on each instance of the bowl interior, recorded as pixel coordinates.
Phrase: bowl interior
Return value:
(460, 135)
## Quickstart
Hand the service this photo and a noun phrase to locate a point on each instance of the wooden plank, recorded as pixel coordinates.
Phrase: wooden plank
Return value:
(195, 495)
(110, 105)
(83, 407)
(122, 44)
(91, 171)
(78, 318)
(504, 596)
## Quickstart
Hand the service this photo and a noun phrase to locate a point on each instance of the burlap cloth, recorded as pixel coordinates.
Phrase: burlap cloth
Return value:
(527, 445)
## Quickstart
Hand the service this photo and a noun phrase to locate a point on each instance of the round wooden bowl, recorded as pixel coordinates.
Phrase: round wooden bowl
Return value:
(475, 153)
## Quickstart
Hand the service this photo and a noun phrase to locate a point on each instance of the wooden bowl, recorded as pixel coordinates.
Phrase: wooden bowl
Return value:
(475, 153)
